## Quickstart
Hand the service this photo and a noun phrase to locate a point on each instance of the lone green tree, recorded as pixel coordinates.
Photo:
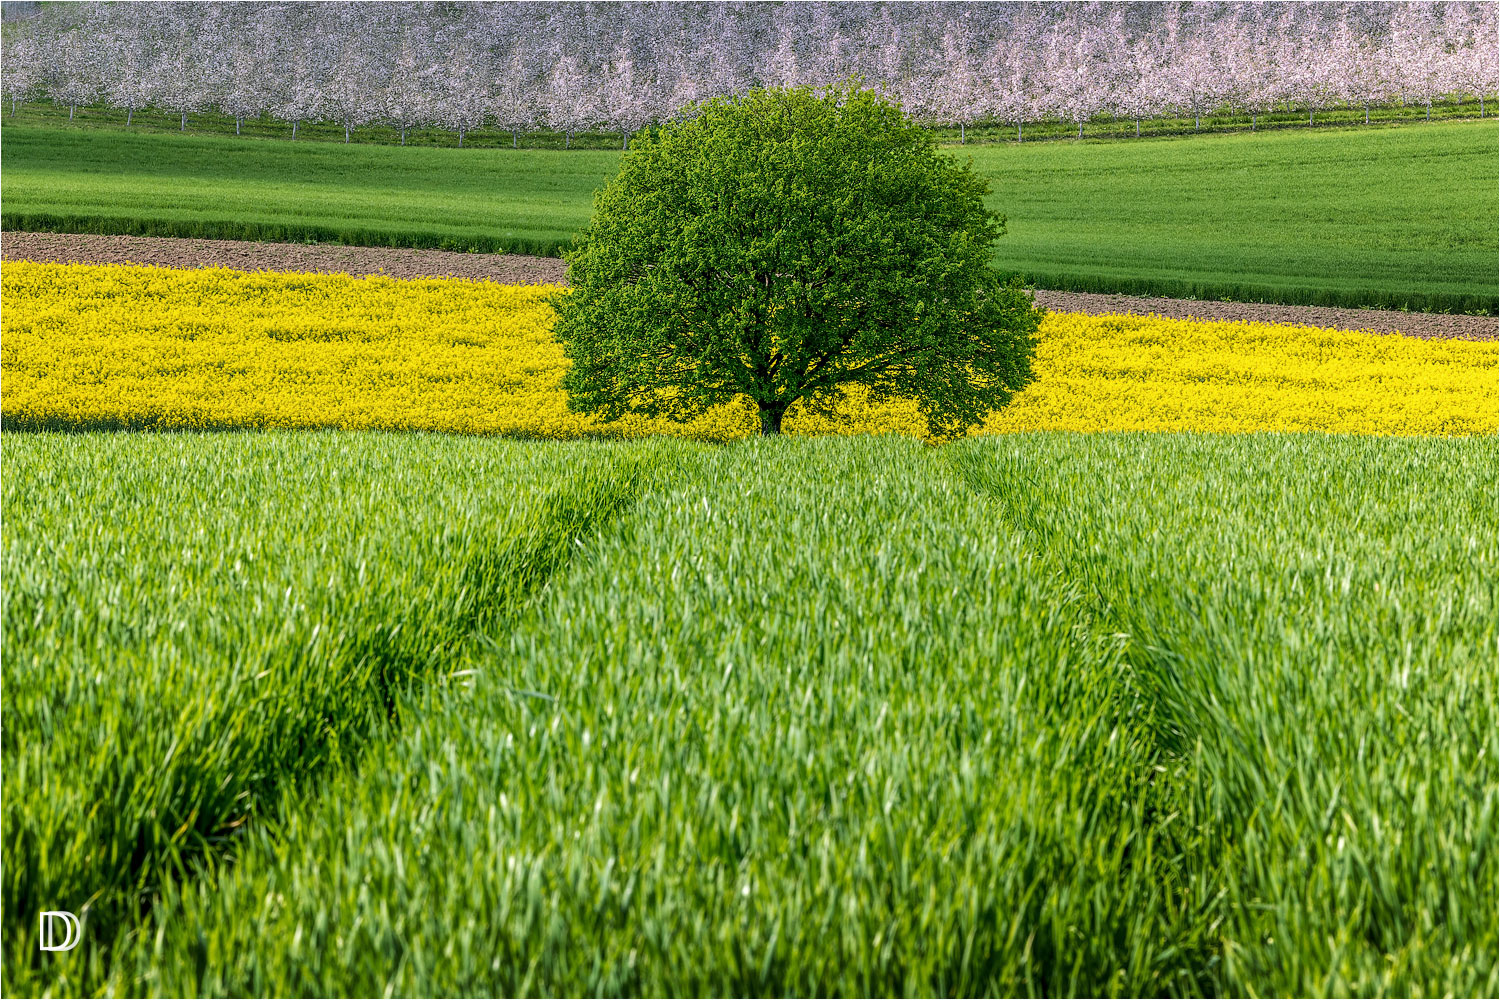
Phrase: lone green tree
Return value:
(783, 246)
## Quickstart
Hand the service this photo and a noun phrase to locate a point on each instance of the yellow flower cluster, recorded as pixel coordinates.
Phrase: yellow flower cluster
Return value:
(141, 347)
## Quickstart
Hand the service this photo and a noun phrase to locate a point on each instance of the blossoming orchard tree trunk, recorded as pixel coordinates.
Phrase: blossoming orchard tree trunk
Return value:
(784, 249)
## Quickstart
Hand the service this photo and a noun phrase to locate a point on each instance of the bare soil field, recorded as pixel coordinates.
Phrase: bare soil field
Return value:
(1413, 324)
(516, 269)
(323, 258)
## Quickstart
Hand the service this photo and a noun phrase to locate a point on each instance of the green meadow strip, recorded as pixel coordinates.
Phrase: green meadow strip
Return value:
(1398, 218)
(280, 232)
(195, 625)
(1354, 296)
(103, 118)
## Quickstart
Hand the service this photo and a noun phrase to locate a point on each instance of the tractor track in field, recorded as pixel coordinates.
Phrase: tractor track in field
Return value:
(515, 269)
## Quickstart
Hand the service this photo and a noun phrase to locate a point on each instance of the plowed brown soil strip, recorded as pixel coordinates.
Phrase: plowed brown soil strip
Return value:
(516, 270)
(324, 258)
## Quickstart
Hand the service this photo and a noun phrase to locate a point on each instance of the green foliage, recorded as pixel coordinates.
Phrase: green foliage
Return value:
(784, 247)
(1045, 714)
(1394, 217)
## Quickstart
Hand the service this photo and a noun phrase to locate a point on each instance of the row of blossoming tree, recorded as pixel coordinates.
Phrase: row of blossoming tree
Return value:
(574, 67)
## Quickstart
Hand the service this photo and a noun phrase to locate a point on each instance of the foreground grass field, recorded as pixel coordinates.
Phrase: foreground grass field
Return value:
(111, 348)
(1403, 217)
(1052, 713)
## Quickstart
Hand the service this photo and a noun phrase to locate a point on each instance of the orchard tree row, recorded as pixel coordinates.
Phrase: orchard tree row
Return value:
(573, 67)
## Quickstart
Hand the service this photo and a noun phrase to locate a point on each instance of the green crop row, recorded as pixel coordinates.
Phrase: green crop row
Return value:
(1052, 713)
(281, 232)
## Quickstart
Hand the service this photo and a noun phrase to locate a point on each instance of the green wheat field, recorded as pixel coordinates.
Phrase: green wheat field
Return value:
(1403, 218)
(1049, 713)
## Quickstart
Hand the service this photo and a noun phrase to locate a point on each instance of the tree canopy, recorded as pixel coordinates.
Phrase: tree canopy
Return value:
(783, 247)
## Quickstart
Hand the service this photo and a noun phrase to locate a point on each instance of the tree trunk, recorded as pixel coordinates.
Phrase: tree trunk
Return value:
(237, 122)
(770, 418)
(1252, 121)
(346, 133)
(183, 127)
(16, 100)
(295, 123)
(460, 137)
(403, 135)
(963, 136)
(1429, 109)
(1196, 121)
(567, 140)
(1481, 108)
(1367, 114)
(74, 107)
(515, 140)
(624, 140)
(1309, 116)
(1018, 133)
(129, 115)
(1137, 128)
(1080, 130)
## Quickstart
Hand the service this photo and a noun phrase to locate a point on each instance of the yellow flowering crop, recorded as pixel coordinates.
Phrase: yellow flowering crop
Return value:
(142, 347)
(1148, 373)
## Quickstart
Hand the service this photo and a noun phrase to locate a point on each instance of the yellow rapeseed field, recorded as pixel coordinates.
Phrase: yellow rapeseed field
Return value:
(143, 347)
